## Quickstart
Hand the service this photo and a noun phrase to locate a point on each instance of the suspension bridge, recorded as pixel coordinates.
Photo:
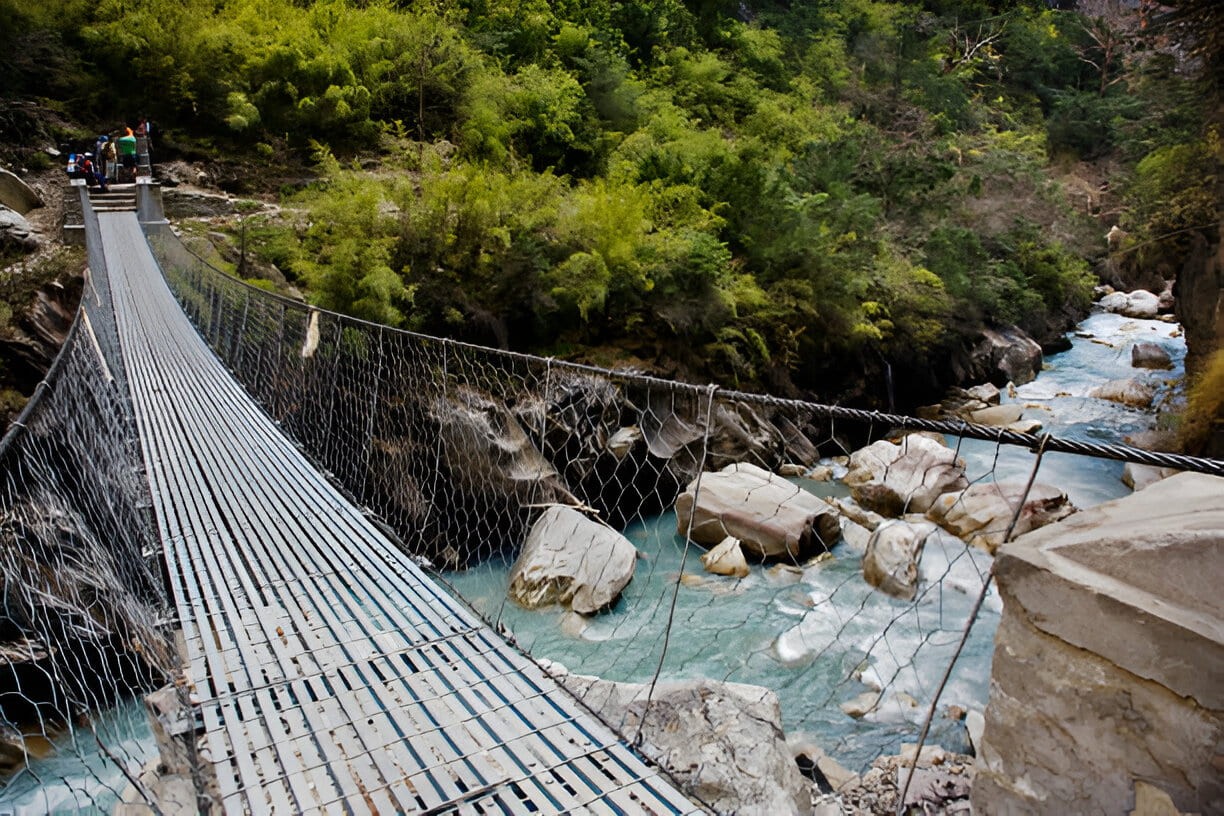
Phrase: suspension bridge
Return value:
(327, 673)
(201, 457)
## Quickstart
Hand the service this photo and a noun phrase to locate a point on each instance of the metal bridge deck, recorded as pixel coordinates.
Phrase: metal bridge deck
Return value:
(330, 673)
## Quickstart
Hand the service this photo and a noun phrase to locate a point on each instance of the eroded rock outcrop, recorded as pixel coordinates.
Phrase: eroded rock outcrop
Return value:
(980, 514)
(570, 559)
(894, 478)
(587, 428)
(722, 741)
(675, 430)
(772, 518)
(488, 450)
(890, 563)
(1004, 354)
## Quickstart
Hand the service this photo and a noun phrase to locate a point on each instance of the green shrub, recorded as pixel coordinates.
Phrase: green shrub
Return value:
(1174, 189)
(1202, 422)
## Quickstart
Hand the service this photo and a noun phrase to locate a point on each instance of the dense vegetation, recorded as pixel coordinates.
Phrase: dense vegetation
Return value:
(780, 193)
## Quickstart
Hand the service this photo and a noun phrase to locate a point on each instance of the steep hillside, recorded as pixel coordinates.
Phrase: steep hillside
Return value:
(799, 197)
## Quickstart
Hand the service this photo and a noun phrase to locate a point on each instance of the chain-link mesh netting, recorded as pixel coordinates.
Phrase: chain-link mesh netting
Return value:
(82, 617)
(477, 459)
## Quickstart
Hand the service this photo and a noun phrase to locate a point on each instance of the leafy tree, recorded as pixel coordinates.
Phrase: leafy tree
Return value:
(538, 113)
(346, 253)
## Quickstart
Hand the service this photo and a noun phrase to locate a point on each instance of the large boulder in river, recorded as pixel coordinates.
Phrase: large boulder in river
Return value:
(771, 517)
(16, 232)
(1139, 303)
(891, 560)
(16, 194)
(894, 478)
(570, 559)
(722, 741)
(1001, 355)
(1132, 393)
(1150, 355)
(980, 514)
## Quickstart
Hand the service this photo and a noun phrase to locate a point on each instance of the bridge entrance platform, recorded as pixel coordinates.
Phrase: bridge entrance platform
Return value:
(328, 673)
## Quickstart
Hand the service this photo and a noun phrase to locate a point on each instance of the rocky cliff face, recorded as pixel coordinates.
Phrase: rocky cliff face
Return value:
(1200, 299)
(1200, 308)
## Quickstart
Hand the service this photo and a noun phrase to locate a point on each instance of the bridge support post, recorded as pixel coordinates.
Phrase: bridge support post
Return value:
(149, 207)
(72, 228)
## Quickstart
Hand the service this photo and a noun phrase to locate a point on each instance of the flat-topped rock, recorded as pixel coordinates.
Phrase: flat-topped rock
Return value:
(772, 517)
(16, 194)
(997, 414)
(1154, 558)
(1130, 392)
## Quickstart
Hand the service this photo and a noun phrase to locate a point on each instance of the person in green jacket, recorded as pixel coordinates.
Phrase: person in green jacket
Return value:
(126, 145)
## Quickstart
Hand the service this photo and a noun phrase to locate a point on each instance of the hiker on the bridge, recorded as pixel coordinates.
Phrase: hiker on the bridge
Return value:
(144, 138)
(71, 167)
(110, 160)
(100, 154)
(127, 153)
(86, 166)
(94, 174)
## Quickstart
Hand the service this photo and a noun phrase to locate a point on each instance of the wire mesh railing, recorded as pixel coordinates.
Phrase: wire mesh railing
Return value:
(486, 463)
(83, 616)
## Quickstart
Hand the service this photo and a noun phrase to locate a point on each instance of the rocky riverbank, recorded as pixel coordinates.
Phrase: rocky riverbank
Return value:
(40, 283)
(724, 744)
